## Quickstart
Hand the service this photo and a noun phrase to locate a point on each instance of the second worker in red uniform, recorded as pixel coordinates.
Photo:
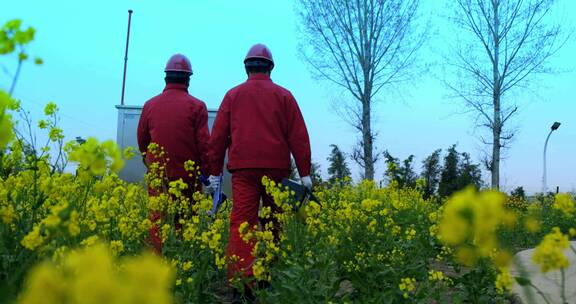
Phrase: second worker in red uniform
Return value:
(261, 125)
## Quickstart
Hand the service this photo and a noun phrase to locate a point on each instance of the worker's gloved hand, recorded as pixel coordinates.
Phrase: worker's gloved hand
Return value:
(208, 189)
(307, 182)
(214, 184)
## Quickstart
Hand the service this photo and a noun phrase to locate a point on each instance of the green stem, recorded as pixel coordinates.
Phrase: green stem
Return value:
(538, 291)
(523, 273)
(85, 199)
(25, 260)
(15, 79)
(563, 286)
(35, 195)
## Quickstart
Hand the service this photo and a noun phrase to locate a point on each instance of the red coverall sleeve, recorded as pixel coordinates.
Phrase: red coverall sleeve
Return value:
(298, 140)
(143, 132)
(202, 138)
(220, 137)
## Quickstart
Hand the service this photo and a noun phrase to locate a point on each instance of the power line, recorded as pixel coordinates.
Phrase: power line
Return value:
(40, 106)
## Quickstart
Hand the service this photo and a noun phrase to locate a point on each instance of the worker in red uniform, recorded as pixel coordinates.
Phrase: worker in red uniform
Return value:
(177, 122)
(260, 124)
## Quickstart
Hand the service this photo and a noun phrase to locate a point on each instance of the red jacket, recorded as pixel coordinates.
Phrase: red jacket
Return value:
(177, 122)
(260, 123)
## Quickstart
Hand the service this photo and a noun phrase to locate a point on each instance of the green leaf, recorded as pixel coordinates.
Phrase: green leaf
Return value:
(3, 37)
(523, 281)
(13, 24)
(22, 56)
(30, 32)
(7, 47)
(24, 37)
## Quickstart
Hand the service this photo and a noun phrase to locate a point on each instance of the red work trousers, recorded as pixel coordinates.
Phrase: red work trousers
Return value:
(154, 236)
(247, 190)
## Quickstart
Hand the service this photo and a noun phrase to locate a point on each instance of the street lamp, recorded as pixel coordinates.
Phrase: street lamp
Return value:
(553, 128)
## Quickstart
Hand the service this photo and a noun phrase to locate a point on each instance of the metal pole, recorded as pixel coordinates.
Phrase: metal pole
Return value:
(126, 56)
(544, 169)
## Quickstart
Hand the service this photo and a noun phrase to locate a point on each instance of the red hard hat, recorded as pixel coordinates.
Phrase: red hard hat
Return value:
(178, 63)
(259, 51)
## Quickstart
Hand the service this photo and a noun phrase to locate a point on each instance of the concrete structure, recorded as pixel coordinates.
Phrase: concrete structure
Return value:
(134, 169)
(549, 283)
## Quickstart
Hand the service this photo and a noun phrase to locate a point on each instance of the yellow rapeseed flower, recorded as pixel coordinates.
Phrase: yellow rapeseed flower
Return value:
(51, 221)
(370, 204)
(7, 214)
(435, 276)
(549, 253)
(147, 279)
(504, 281)
(265, 212)
(176, 187)
(42, 124)
(433, 230)
(55, 134)
(220, 261)
(189, 232)
(33, 239)
(165, 231)
(190, 166)
(45, 285)
(410, 233)
(502, 258)
(532, 224)
(467, 256)
(406, 286)
(470, 221)
(92, 271)
(92, 275)
(372, 226)
(565, 203)
(116, 247)
(187, 265)
(90, 241)
(128, 153)
(259, 271)
(50, 109)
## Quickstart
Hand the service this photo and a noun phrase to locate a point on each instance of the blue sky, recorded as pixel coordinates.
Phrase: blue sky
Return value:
(82, 44)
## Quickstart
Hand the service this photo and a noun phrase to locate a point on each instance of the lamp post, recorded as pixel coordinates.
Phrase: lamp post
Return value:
(553, 128)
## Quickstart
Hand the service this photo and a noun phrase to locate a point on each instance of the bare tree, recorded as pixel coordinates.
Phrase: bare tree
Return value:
(361, 46)
(503, 44)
